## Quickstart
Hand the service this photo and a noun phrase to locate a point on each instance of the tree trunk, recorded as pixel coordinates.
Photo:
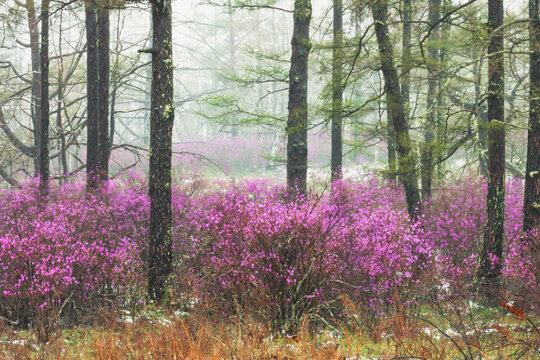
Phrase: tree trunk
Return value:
(161, 125)
(104, 66)
(442, 93)
(492, 249)
(531, 206)
(92, 127)
(297, 121)
(406, 157)
(429, 146)
(336, 162)
(44, 103)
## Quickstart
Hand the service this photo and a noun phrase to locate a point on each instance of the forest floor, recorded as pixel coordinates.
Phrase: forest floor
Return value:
(177, 335)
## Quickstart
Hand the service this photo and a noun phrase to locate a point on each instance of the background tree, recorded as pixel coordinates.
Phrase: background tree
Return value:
(337, 92)
(44, 104)
(103, 29)
(33, 23)
(430, 147)
(406, 157)
(92, 90)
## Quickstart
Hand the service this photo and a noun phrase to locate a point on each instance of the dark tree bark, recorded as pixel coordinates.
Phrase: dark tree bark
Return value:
(92, 127)
(429, 145)
(406, 157)
(490, 269)
(44, 103)
(161, 125)
(104, 66)
(336, 162)
(297, 121)
(531, 206)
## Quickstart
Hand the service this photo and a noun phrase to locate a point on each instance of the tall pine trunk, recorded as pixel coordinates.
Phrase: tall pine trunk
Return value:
(92, 86)
(44, 103)
(492, 249)
(406, 157)
(161, 125)
(531, 206)
(336, 162)
(297, 121)
(103, 90)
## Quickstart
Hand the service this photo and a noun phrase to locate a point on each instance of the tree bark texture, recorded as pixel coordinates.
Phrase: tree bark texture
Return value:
(297, 122)
(336, 162)
(44, 103)
(406, 157)
(531, 207)
(104, 67)
(92, 126)
(492, 249)
(161, 125)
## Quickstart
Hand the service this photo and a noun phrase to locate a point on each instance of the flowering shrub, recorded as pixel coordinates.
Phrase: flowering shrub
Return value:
(382, 251)
(250, 248)
(70, 253)
(454, 228)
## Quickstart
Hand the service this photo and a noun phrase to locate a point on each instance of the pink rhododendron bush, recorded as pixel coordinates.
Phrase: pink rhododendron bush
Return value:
(454, 229)
(72, 253)
(250, 248)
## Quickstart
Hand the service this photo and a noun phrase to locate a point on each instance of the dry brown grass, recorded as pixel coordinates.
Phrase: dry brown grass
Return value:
(175, 339)
(201, 337)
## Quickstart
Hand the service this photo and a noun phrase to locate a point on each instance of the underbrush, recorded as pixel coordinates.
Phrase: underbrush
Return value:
(348, 261)
(447, 332)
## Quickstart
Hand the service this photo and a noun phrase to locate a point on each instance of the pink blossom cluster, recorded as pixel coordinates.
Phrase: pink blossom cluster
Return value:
(454, 228)
(253, 246)
(73, 247)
